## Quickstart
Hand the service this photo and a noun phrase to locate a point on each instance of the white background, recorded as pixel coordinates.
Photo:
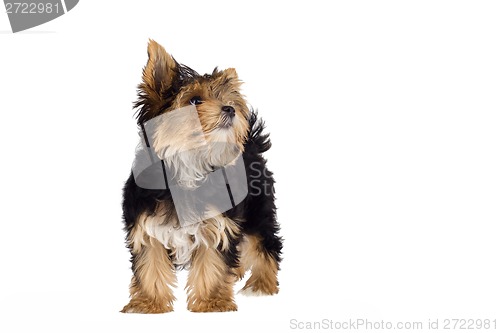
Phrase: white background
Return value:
(385, 121)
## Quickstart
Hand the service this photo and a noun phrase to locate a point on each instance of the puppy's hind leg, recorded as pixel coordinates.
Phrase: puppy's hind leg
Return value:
(264, 266)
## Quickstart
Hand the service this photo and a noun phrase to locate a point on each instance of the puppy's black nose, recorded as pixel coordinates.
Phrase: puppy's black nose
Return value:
(229, 110)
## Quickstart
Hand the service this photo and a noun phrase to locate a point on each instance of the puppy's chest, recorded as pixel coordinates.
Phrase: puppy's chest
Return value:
(180, 241)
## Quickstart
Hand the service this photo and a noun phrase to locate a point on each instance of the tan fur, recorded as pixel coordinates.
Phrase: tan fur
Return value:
(210, 283)
(215, 231)
(264, 268)
(150, 289)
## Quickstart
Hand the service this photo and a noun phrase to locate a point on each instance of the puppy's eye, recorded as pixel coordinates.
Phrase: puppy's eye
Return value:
(196, 100)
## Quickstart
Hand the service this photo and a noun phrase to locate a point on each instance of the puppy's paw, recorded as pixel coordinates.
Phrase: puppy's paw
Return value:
(146, 306)
(256, 288)
(213, 305)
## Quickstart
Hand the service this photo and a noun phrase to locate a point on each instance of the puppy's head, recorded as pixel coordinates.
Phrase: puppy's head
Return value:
(169, 91)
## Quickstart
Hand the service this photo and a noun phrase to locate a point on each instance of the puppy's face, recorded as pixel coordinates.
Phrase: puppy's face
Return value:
(169, 86)
(195, 123)
(221, 108)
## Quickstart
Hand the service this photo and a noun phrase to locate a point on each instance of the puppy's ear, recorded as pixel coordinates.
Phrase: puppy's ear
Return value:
(230, 77)
(231, 74)
(157, 78)
(159, 72)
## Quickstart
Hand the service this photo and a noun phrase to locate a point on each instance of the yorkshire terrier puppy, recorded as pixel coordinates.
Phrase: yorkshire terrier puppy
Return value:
(222, 244)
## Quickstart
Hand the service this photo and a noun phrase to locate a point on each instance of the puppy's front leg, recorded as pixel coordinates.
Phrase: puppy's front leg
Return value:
(154, 275)
(210, 282)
